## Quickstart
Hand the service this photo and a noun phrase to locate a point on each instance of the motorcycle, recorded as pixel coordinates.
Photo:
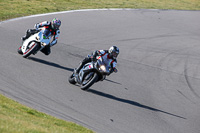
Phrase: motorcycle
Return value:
(35, 42)
(90, 73)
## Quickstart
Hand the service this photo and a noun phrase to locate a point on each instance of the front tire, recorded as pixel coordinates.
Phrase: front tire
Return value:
(19, 50)
(30, 50)
(90, 82)
(71, 79)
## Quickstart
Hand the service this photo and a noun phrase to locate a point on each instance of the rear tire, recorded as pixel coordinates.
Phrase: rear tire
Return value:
(90, 83)
(71, 79)
(31, 50)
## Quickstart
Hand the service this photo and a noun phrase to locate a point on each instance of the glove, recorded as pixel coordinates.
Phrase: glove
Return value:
(112, 70)
(115, 70)
(93, 58)
(36, 26)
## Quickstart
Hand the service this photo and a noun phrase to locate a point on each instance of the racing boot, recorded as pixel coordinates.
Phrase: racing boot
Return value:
(76, 70)
(24, 38)
(28, 34)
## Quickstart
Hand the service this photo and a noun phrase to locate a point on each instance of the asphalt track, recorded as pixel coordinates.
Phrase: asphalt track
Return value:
(157, 88)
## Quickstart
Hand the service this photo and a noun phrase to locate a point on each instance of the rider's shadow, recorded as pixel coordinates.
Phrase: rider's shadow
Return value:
(50, 63)
(134, 103)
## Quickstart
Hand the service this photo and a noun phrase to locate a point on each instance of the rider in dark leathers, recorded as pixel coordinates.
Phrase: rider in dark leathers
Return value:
(109, 57)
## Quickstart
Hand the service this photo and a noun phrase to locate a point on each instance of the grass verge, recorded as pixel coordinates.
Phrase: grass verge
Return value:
(17, 118)
(19, 8)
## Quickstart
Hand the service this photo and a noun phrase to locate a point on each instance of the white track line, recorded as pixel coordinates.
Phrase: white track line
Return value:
(85, 10)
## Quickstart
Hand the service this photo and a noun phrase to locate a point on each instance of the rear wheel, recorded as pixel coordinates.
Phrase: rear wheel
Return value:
(89, 82)
(30, 50)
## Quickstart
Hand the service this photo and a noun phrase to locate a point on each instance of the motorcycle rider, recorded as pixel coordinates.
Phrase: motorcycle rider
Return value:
(109, 57)
(52, 26)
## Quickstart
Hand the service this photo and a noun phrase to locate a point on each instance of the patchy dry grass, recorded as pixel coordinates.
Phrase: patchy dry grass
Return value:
(16, 118)
(18, 8)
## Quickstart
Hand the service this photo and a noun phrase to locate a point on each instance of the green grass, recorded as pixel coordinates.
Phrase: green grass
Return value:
(18, 8)
(16, 118)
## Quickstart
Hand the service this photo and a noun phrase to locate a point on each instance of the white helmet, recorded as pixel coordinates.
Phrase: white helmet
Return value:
(113, 52)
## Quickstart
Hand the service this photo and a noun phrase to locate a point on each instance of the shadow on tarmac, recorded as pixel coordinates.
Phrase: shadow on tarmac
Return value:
(113, 81)
(131, 102)
(50, 63)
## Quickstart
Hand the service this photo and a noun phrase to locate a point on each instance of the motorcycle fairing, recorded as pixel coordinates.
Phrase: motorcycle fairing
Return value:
(84, 71)
(43, 37)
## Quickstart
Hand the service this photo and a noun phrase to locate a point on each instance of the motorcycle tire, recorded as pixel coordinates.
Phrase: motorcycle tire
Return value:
(90, 83)
(19, 50)
(71, 79)
(31, 50)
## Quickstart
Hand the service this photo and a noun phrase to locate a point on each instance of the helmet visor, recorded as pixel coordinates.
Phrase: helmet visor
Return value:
(114, 54)
(56, 26)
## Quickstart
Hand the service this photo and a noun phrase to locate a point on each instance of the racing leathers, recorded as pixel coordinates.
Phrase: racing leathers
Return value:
(46, 50)
(110, 62)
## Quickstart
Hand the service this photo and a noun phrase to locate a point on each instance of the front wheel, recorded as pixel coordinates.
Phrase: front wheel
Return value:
(31, 50)
(71, 79)
(89, 82)
(19, 50)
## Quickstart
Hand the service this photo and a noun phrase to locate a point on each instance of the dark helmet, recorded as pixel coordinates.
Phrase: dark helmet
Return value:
(55, 23)
(113, 52)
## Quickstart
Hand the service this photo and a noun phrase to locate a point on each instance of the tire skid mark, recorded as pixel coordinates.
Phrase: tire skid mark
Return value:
(187, 79)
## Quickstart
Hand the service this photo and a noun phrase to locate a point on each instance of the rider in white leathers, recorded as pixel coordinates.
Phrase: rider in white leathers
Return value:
(52, 26)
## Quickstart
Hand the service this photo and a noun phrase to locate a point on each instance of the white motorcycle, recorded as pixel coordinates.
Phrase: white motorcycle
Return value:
(35, 42)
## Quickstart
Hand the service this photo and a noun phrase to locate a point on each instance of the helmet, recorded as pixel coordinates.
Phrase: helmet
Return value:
(113, 52)
(55, 23)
